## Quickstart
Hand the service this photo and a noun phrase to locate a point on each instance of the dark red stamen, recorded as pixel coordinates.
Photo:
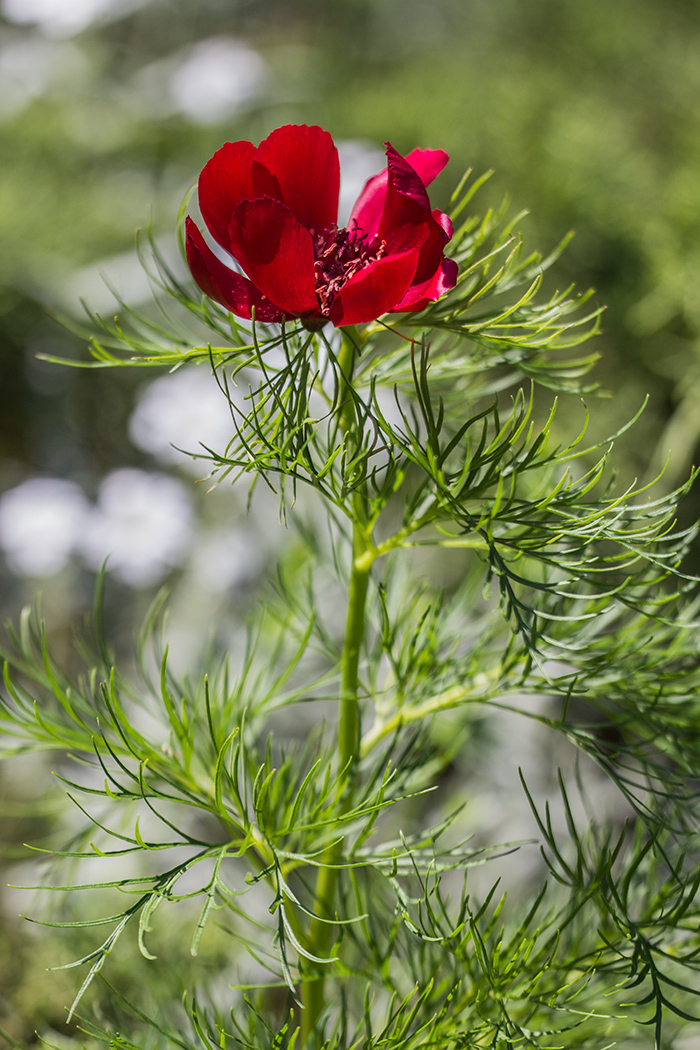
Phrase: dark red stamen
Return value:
(339, 254)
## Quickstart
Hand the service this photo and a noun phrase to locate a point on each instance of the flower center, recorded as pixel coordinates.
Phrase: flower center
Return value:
(339, 254)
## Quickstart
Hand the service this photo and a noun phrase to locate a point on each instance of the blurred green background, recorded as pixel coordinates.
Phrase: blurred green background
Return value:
(589, 114)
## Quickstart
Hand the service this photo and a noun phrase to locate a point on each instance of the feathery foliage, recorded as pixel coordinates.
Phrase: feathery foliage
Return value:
(323, 839)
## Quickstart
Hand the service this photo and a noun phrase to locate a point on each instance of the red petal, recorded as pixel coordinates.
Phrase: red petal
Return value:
(403, 201)
(406, 220)
(226, 286)
(277, 254)
(225, 181)
(445, 222)
(374, 290)
(405, 179)
(367, 212)
(428, 163)
(368, 208)
(419, 295)
(298, 165)
(431, 252)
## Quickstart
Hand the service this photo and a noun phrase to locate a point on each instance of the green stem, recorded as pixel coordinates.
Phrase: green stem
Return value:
(321, 933)
(349, 724)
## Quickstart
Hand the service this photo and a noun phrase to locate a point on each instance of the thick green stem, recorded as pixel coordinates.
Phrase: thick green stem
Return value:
(322, 933)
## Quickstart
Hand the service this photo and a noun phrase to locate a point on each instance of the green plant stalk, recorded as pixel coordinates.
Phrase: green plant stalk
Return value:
(322, 929)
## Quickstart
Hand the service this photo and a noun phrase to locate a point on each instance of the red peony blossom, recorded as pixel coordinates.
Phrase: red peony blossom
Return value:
(275, 210)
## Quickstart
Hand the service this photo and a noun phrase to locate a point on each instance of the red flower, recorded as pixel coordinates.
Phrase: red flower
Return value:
(275, 209)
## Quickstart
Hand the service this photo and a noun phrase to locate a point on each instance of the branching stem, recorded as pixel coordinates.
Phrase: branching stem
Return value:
(322, 929)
